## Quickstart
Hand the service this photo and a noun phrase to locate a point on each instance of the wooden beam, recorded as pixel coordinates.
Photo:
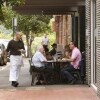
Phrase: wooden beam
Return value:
(44, 10)
(53, 2)
(49, 6)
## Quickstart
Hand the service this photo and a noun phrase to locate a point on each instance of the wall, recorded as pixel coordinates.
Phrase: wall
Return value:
(63, 29)
(88, 41)
(98, 44)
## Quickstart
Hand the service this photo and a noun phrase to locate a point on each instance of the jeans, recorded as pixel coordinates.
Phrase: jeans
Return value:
(66, 72)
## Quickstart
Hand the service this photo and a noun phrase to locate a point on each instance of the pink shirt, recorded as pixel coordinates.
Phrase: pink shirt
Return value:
(76, 54)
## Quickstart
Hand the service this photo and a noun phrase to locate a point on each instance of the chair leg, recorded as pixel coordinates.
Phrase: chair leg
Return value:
(77, 76)
(44, 78)
(33, 78)
(82, 79)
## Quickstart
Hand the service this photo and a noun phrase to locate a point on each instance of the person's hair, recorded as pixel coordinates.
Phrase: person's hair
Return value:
(39, 47)
(73, 42)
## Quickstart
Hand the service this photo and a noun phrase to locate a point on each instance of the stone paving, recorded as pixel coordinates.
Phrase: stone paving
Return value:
(51, 92)
(57, 92)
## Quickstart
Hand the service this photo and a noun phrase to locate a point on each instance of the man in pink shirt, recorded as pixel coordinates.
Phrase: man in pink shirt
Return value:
(75, 59)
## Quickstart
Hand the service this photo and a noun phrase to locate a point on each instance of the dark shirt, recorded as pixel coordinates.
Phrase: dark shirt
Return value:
(14, 46)
(52, 52)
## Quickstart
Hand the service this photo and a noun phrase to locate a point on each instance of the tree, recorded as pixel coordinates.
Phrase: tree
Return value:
(35, 24)
(8, 3)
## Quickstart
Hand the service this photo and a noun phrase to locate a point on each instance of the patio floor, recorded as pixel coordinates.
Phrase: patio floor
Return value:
(51, 92)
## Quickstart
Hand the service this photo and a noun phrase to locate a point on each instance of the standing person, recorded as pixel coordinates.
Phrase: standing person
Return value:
(15, 47)
(45, 43)
(74, 59)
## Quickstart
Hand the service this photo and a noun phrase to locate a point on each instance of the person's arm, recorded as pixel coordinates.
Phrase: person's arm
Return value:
(8, 49)
(72, 58)
(22, 50)
(42, 58)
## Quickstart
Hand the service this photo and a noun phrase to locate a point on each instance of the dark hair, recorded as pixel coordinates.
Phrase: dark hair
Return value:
(67, 47)
(74, 43)
(54, 44)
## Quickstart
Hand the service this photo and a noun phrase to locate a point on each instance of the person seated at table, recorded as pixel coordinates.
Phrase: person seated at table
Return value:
(54, 48)
(74, 63)
(38, 61)
(67, 55)
(48, 56)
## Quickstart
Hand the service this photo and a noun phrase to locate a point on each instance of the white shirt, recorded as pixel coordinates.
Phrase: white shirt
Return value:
(38, 59)
(45, 41)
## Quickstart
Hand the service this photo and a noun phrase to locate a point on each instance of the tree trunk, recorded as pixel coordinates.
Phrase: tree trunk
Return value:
(1, 14)
(28, 45)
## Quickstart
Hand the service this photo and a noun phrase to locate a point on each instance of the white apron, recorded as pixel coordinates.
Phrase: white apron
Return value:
(15, 65)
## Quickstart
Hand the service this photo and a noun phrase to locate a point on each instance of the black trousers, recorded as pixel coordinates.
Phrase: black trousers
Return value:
(46, 70)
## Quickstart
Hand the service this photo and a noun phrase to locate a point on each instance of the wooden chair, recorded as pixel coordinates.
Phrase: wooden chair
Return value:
(36, 73)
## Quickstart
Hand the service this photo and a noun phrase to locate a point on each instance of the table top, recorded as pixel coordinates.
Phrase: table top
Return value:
(58, 61)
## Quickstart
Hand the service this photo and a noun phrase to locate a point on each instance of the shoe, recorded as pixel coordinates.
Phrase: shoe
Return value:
(73, 82)
(15, 84)
(42, 82)
(38, 83)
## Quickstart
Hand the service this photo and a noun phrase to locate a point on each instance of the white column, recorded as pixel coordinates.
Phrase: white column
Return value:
(92, 45)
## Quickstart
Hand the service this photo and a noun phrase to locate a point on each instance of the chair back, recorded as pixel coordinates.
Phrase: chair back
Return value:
(60, 50)
(82, 67)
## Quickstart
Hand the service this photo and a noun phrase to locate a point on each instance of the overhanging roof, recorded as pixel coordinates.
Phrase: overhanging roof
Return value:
(49, 6)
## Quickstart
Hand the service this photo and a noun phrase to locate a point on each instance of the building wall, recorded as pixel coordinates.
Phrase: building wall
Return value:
(63, 29)
(91, 32)
(81, 28)
(88, 42)
(98, 44)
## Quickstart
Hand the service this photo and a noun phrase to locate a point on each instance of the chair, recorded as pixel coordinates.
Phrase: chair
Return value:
(30, 62)
(30, 70)
(36, 73)
(80, 73)
(59, 51)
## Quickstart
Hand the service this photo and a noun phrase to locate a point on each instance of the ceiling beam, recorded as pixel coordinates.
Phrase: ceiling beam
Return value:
(54, 2)
(49, 6)
(44, 10)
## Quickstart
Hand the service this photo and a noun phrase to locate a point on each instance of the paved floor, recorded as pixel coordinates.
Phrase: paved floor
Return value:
(51, 92)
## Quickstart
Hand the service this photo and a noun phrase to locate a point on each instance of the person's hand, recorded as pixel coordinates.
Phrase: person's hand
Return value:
(22, 51)
(59, 60)
(63, 59)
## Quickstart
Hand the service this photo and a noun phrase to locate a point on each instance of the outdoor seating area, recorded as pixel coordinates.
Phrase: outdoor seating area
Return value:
(49, 43)
(56, 77)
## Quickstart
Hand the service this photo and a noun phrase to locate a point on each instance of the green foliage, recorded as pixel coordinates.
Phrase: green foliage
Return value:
(5, 36)
(37, 41)
(8, 3)
(35, 23)
(8, 15)
(16, 2)
(12, 2)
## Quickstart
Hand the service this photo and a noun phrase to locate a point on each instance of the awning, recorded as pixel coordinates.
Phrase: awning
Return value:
(49, 6)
